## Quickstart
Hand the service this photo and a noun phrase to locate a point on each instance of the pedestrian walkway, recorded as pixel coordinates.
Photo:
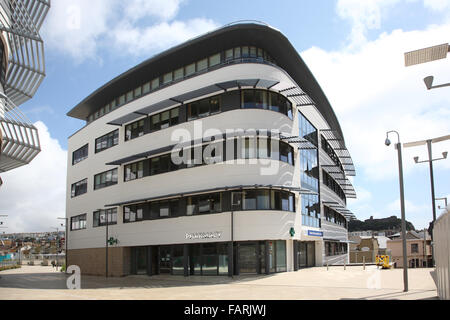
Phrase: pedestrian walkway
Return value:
(37, 282)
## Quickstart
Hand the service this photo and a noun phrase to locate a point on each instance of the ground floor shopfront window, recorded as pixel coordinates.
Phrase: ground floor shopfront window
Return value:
(210, 259)
(304, 254)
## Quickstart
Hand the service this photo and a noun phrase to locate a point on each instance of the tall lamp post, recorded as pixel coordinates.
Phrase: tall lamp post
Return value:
(430, 160)
(57, 245)
(398, 146)
(66, 237)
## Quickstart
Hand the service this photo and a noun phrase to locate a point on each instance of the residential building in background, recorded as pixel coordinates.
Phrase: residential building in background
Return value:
(22, 69)
(263, 184)
(418, 249)
(366, 248)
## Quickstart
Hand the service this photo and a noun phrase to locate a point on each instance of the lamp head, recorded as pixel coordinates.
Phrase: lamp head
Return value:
(387, 142)
(445, 153)
(416, 159)
(428, 82)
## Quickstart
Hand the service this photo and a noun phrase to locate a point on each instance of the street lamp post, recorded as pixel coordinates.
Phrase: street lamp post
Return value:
(402, 206)
(57, 245)
(66, 238)
(430, 160)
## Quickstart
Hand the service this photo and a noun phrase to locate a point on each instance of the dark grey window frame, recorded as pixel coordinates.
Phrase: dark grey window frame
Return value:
(80, 154)
(73, 193)
(110, 136)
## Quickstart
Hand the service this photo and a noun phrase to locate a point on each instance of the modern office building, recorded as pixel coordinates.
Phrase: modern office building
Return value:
(22, 69)
(219, 156)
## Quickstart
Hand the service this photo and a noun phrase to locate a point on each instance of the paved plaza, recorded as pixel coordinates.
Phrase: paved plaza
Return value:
(43, 283)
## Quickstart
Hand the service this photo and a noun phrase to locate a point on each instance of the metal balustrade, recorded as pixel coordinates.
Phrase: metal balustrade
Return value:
(20, 140)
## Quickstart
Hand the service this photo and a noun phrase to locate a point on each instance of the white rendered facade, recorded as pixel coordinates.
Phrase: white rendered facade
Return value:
(262, 227)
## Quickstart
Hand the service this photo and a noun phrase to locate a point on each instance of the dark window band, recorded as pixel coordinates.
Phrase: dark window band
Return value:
(243, 148)
(210, 203)
(237, 99)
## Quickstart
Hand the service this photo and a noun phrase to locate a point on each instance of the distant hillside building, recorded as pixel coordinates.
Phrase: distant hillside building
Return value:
(418, 249)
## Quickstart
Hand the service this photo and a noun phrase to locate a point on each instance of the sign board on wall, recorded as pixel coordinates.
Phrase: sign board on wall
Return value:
(203, 235)
(315, 233)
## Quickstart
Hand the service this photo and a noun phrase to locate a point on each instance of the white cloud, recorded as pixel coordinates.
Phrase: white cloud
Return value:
(363, 15)
(162, 9)
(140, 40)
(372, 92)
(437, 5)
(81, 28)
(74, 27)
(33, 196)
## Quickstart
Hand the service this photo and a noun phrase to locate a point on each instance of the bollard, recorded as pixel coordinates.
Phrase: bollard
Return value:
(364, 263)
(344, 264)
(327, 265)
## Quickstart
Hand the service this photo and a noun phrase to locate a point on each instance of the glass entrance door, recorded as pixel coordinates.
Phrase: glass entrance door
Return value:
(248, 258)
(311, 251)
(301, 255)
(141, 257)
(165, 259)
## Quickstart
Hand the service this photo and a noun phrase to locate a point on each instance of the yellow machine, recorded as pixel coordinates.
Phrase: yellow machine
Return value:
(383, 261)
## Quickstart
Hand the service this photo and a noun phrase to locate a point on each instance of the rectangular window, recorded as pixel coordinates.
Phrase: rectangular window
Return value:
(174, 116)
(155, 166)
(100, 217)
(107, 141)
(146, 88)
(165, 119)
(191, 206)
(414, 248)
(245, 52)
(80, 154)
(163, 209)
(178, 74)
(204, 205)
(155, 83)
(130, 96)
(263, 200)
(167, 78)
(214, 60)
(204, 107)
(189, 69)
(137, 92)
(229, 54)
(202, 65)
(134, 130)
(113, 105)
(79, 188)
(174, 207)
(133, 213)
(78, 222)
(250, 200)
(237, 52)
(134, 171)
(105, 179)
(280, 248)
(121, 100)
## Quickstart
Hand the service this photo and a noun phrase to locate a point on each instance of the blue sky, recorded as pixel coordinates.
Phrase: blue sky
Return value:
(354, 49)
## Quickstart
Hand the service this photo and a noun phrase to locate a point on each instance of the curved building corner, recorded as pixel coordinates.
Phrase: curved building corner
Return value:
(258, 184)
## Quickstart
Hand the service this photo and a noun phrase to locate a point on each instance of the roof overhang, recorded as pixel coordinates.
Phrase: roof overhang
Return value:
(262, 36)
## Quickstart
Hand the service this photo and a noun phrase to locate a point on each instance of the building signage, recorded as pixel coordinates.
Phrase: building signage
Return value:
(203, 235)
(315, 233)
